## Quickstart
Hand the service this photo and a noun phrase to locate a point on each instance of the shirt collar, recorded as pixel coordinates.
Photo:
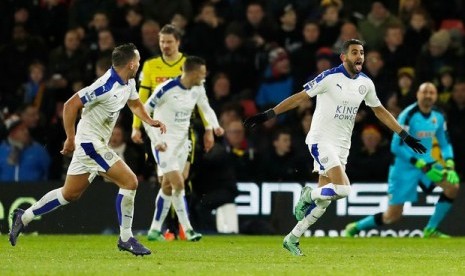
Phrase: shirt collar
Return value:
(115, 75)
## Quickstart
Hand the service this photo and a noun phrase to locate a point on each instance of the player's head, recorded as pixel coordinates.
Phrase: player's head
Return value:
(196, 70)
(170, 38)
(353, 55)
(427, 95)
(126, 56)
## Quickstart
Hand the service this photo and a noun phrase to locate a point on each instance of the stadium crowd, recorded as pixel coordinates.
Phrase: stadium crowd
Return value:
(258, 53)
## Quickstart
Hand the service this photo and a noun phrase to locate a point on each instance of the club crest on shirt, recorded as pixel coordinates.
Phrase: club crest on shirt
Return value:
(362, 89)
(108, 155)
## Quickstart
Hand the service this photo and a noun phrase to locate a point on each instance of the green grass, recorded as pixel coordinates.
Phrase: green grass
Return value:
(233, 255)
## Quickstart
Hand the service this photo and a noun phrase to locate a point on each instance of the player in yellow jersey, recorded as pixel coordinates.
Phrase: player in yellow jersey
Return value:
(155, 71)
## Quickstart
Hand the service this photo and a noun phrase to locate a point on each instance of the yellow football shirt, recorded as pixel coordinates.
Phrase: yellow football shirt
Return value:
(154, 72)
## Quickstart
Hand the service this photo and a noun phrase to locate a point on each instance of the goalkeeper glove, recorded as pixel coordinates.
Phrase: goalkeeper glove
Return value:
(451, 175)
(433, 173)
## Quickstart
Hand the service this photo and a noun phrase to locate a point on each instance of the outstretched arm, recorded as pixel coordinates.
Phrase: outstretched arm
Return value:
(287, 104)
(290, 102)
(386, 117)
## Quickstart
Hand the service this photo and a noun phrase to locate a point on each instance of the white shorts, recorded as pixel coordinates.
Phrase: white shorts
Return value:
(174, 158)
(327, 156)
(92, 158)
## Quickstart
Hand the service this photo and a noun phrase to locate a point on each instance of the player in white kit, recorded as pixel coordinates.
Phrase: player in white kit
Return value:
(339, 93)
(173, 102)
(101, 103)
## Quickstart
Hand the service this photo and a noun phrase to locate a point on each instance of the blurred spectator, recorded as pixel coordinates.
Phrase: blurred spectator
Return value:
(106, 43)
(21, 158)
(373, 154)
(220, 92)
(445, 84)
(68, 66)
(182, 24)
(54, 144)
(348, 31)
(406, 10)
(259, 32)
(15, 58)
(163, 10)
(35, 91)
(214, 185)
(30, 117)
(123, 8)
(102, 66)
(53, 21)
(436, 56)
(373, 27)
(289, 35)
(455, 119)
(394, 53)
(240, 150)
(82, 11)
(303, 59)
(208, 30)
(131, 30)
(405, 94)
(330, 24)
(374, 69)
(236, 60)
(418, 32)
(277, 83)
(324, 61)
(150, 31)
(230, 112)
(100, 21)
(279, 163)
(258, 28)
(130, 153)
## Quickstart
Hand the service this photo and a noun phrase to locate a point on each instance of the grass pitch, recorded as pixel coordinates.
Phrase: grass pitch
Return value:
(232, 255)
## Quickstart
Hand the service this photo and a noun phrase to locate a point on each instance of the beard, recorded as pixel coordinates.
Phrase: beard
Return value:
(353, 67)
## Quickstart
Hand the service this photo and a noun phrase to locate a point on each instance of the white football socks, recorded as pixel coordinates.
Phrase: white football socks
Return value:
(125, 211)
(162, 207)
(49, 202)
(316, 212)
(180, 205)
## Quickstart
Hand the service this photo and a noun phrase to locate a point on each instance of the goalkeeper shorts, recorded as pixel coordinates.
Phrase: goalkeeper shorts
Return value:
(402, 187)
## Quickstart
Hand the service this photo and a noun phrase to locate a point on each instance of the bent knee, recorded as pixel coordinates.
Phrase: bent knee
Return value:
(451, 191)
(70, 197)
(130, 183)
(342, 190)
(389, 218)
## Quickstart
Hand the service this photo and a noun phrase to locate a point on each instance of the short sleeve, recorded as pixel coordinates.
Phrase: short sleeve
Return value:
(316, 86)
(371, 99)
(133, 91)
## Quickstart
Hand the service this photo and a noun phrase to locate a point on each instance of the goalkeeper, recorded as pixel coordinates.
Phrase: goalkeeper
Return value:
(410, 169)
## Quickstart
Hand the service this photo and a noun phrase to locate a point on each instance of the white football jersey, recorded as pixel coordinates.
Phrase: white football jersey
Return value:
(337, 103)
(172, 104)
(103, 101)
